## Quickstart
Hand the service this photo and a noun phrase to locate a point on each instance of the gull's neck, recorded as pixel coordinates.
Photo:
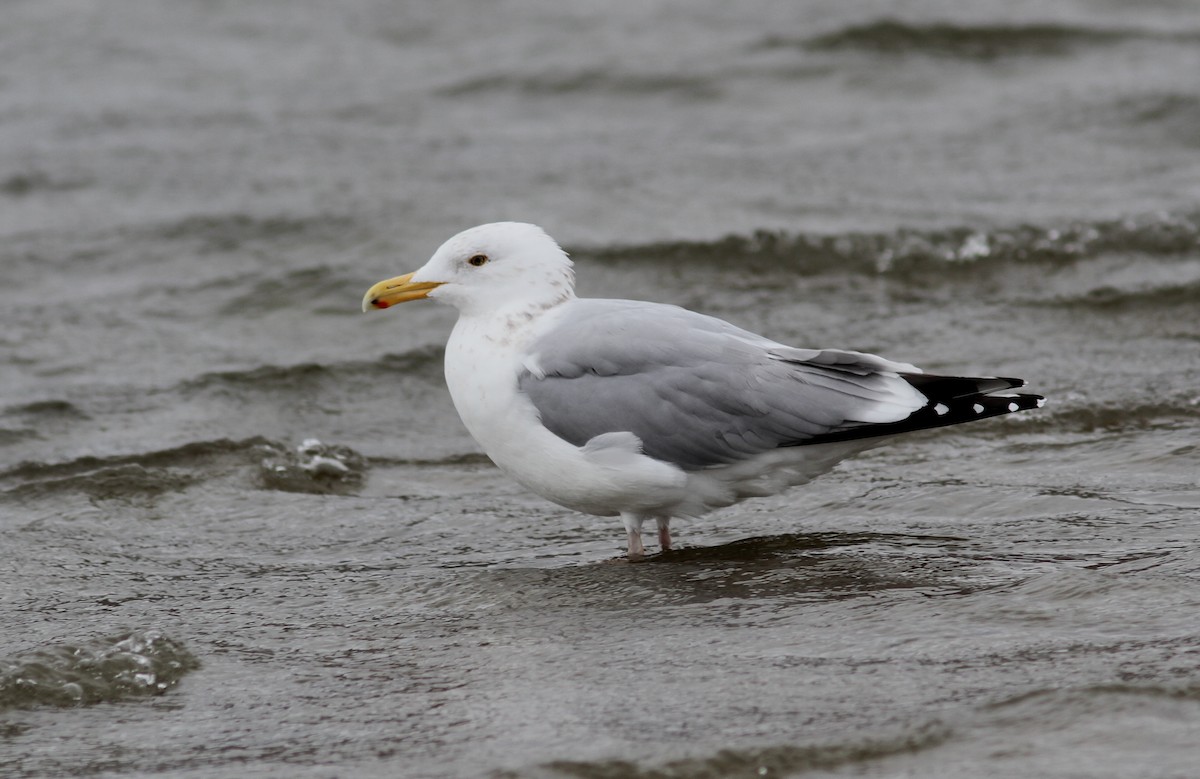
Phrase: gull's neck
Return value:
(522, 304)
(512, 324)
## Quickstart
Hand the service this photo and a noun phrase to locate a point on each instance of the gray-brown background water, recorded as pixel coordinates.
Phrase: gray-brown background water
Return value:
(194, 195)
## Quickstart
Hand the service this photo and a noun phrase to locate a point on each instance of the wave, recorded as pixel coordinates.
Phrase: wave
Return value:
(10, 436)
(21, 185)
(589, 81)
(47, 409)
(227, 232)
(1110, 298)
(784, 760)
(1153, 116)
(311, 467)
(1006, 719)
(124, 476)
(111, 482)
(1177, 116)
(29, 420)
(1069, 584)
(904, 251)
(327, 290)
(464, 458)
(971, 42)
(1112, 418)
(1095, 696)
(425, 362)
(188, 454)
(131, 665)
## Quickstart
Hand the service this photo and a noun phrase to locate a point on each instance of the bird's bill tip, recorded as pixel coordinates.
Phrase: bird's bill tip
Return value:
(400, 289)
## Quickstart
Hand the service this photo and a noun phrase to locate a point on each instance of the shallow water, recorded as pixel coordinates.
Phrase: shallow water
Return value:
(244, 533)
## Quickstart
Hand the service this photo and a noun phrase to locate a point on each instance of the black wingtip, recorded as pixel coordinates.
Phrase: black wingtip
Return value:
(945, 388)
(953, 400)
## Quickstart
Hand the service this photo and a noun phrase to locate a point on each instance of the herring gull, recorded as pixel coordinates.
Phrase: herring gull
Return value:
(646, 410)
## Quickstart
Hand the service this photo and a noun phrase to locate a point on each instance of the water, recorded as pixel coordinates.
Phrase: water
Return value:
(244, 534)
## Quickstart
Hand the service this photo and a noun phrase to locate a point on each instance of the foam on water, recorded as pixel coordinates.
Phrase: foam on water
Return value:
(115, 668)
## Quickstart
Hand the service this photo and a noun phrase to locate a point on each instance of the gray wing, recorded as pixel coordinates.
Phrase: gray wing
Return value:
(696, 390)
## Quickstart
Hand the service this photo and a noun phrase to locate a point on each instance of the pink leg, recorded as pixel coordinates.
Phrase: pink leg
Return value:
(636, 550)
(664, 533)
(633, 526)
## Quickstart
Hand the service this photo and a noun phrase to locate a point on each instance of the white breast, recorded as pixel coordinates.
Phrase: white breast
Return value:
(484, 359)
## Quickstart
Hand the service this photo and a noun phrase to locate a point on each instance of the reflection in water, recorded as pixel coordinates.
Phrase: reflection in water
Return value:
(787, 568)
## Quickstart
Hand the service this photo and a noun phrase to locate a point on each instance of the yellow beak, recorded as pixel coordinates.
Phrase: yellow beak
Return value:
(398, 290)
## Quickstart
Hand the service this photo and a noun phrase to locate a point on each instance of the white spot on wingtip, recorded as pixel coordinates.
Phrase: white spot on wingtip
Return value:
(942, 409)
(1041, 402)
(1013, 407)
(978, 408)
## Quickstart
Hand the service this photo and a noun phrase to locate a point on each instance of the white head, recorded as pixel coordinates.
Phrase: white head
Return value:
(486, 269)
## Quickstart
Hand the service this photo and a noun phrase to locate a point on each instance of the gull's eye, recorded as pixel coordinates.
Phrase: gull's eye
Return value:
(478, 259)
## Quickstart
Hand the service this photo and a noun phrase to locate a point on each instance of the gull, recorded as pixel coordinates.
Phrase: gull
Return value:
(651, 411)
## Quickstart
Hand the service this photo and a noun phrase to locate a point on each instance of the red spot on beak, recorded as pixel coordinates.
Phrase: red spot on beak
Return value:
(380, 304)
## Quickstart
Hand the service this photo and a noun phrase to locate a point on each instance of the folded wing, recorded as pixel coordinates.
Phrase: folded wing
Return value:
(700, 392)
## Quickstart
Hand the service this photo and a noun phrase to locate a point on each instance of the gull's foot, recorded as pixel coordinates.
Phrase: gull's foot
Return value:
(626, 559)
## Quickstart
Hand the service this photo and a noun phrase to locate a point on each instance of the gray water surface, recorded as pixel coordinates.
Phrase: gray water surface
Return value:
(243, 533)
